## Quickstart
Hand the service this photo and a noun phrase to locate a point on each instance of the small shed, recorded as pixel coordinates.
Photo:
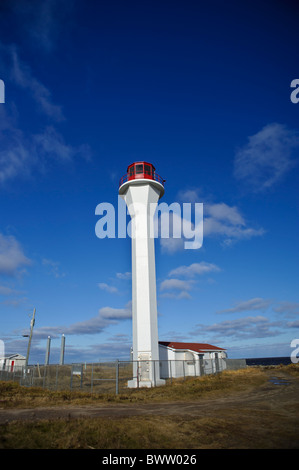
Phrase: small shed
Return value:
(190, 359)
(12, 362)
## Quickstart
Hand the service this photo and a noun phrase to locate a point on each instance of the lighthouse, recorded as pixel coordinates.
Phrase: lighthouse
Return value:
(141, 188)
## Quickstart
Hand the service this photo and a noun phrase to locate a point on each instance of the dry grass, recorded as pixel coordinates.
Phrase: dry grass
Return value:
(239, 427)
(254, 430)
(12, 395)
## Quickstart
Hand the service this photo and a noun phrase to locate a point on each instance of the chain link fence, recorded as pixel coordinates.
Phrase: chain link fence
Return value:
(104, 377)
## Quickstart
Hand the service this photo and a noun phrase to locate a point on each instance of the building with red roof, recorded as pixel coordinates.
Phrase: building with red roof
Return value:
(180, 359)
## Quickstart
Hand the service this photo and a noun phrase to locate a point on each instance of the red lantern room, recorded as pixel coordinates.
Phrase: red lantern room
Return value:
(138, 172)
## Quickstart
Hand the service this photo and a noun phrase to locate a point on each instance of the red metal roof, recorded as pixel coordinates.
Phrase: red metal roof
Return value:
(197, 347)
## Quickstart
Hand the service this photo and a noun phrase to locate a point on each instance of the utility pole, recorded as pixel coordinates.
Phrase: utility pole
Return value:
(48, 351)
(30, 337)
(61, 362)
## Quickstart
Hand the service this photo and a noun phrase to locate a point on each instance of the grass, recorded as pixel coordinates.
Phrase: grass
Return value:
(12, 395)
(230, 428)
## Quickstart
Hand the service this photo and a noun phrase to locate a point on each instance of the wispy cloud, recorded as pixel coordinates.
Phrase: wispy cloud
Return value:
(227, 223)
(240, 328)
(110, 313)
(54, 267)
(256, 303)
(22, 155)
(194, 269)
(98, 324)
(107, 288)
(124, 276)
(220, 221)
(176, 288)
(12, 257)
(22, 75)
(267, 157)
(287, 308)
(181, 288)
(5, 290)
(39, 23)
(12, 297)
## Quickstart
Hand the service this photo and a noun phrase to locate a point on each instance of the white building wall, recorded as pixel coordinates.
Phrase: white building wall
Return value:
(12, 363)
(178, 363)
(214, 362)
(187, 363)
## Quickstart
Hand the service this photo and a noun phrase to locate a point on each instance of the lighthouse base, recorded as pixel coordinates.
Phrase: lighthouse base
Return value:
(134, 383)
(146, 371)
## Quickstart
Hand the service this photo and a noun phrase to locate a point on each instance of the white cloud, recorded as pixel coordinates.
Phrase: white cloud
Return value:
(223, 212)
(256, 303)
(41, 22)
(287, 308)
(54, 267)
(171, 245)
(51, 144)
(176, 288)
(22, 75)
(5, 290)
(180, 289)
(12, 257)
(219, 220)
(241, 328)
(227, 222)
(21, 153)
(189, 195)
(15, 302)
(194, 269)
(110, 313)
(267, 157)
(106, 317)
(21, 156)
(176, 295)
(124, 276)
(170, 284)
(107, 288)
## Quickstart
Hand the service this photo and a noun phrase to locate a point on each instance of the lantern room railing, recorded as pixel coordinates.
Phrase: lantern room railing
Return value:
(131, 177)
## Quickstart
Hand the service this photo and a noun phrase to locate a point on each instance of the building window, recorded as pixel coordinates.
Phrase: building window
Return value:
(139, 169)
(131, 171)
(147, 169)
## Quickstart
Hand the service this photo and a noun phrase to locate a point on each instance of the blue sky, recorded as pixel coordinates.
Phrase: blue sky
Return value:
(201, 90)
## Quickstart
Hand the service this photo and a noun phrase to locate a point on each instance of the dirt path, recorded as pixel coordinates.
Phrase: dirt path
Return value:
(279, 396)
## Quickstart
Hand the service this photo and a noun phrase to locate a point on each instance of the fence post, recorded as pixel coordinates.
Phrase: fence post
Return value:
(184, 369)
(116, 375)
(91, 382)
(170, 372)
(44, 377)
(56, 378)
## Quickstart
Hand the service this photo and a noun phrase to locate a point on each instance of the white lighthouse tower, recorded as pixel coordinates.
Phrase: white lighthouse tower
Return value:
(141, 188)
